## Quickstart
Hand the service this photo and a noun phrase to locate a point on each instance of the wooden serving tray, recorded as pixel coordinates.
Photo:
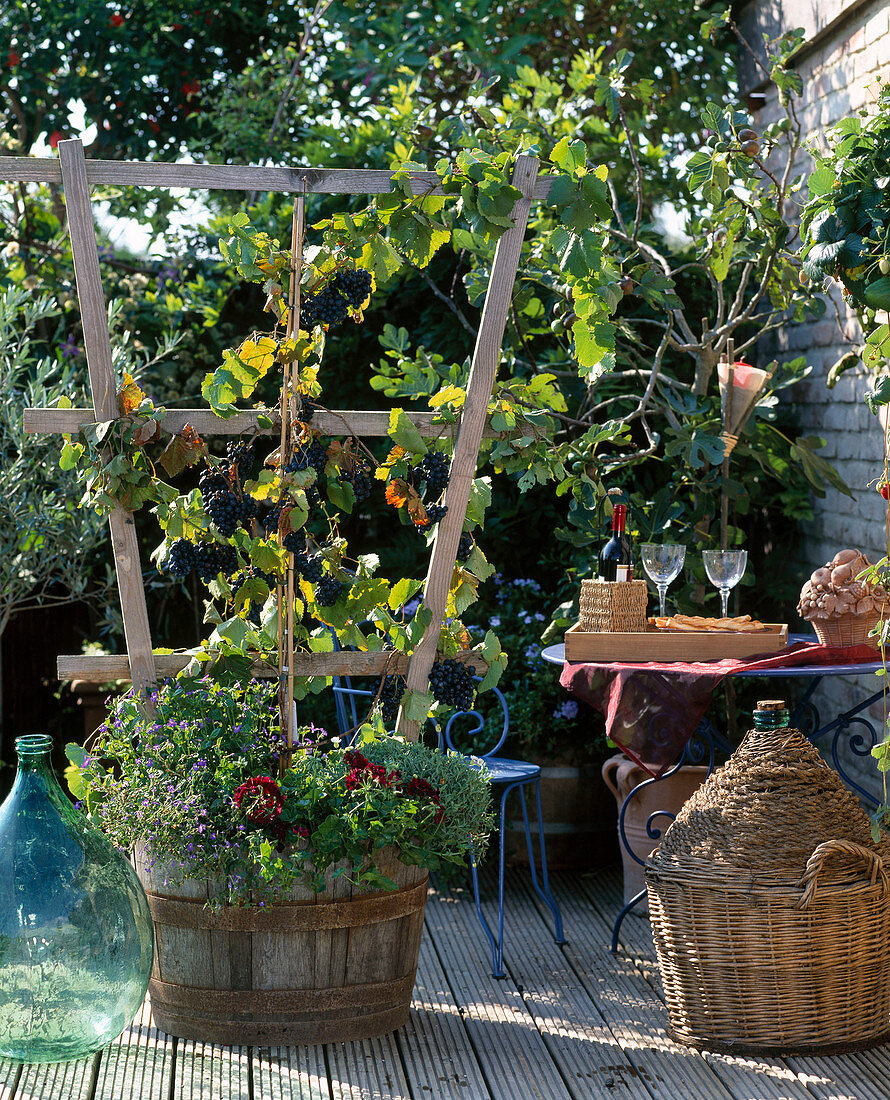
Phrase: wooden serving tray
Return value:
(673, 645)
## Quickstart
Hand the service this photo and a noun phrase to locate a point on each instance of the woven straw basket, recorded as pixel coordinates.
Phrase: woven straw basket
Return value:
(770, 908)
(847, 629)
(613, 605)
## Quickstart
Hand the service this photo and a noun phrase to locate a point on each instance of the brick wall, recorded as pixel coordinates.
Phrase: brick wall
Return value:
(847, 46)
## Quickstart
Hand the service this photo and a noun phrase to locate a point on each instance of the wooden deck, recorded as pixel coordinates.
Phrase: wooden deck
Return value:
(568, 1022)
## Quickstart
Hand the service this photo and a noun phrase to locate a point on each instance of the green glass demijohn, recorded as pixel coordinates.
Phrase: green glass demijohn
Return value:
(76, 939)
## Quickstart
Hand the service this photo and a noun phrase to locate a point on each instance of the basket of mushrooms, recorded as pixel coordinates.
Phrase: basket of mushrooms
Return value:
(842, 608)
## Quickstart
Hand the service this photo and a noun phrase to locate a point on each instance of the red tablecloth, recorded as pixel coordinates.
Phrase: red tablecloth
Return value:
(652, 709)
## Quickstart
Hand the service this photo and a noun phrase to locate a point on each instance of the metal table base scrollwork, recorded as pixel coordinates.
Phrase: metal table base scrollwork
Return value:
(851, 729)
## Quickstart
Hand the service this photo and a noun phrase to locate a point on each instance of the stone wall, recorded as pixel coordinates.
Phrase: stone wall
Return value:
(847, 46)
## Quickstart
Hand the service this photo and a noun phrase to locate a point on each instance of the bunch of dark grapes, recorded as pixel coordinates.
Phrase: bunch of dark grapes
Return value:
(309, 566)
(270, 519)
(328, 591)
(303, 457)
(212, 558)
(390, 696)
(313, 498)
(361, 483)
(435, 512)
(207, 559)
(433, 469)
(295, 541)
(325, 307)
(355, 286)
(241, 456)
(181, 559)
(253, 573)
(465, 546)
(452, 683)
(306, 411)
(225, 507)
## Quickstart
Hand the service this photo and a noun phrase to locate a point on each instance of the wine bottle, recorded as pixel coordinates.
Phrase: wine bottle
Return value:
(616, 558)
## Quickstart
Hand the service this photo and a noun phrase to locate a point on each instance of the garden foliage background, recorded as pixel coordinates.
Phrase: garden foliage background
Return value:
(614, 92)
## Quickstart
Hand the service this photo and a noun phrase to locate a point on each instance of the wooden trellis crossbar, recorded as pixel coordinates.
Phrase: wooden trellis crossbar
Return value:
(76, 175)
(360, 423)
(230, 177)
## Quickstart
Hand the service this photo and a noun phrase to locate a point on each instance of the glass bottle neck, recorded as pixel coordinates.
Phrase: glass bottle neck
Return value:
(770, 719)
(619, 516)
(34, 752)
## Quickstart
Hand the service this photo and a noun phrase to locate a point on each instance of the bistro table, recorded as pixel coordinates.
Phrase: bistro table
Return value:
(851, 728)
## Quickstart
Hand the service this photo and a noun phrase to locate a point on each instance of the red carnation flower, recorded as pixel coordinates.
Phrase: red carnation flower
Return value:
(117, 20)
(354, 759)
(284, 831)
(354, 779)
(13, 59)
(260, 799)
(419, 788)
(55, 137)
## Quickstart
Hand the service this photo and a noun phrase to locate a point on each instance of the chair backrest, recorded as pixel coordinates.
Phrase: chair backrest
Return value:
(473, 724)
(462, 726)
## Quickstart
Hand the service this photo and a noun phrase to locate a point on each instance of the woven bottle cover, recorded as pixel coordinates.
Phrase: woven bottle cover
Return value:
(613, 605)
(764, 811)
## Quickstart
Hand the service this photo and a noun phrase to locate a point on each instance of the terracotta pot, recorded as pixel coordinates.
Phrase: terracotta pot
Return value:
(655, 806)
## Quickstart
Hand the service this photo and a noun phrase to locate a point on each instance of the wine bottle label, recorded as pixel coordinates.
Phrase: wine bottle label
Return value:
(623, 573)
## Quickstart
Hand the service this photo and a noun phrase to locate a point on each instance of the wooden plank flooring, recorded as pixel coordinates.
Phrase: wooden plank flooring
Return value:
(568, 1023)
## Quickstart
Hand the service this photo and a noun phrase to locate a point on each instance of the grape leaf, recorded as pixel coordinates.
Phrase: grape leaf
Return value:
(71, 455)
(183, 450)
(403, 432)
(129, 396)
(418, 237)
(381, 259)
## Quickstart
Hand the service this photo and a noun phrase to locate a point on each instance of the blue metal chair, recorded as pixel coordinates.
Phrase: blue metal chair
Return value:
(506, 776)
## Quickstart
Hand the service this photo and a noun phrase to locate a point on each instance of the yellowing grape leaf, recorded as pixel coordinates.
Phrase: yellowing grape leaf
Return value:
(452, 395)
(416, 510)
(129, 396)
(397, 492)
(258, 355)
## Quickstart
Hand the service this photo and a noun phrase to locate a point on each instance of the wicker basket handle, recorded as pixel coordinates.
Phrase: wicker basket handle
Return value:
(860, 855)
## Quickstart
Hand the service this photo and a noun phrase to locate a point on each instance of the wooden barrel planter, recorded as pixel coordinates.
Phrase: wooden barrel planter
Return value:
(317, 968)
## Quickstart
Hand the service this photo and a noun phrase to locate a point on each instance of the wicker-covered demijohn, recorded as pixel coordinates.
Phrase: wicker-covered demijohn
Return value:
(770, 908)
(613, 605)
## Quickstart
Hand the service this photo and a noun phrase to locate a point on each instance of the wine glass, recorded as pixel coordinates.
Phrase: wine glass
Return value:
(725, 568)
(662, 564)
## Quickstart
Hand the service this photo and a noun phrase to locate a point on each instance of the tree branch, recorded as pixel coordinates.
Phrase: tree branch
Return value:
(452, 305)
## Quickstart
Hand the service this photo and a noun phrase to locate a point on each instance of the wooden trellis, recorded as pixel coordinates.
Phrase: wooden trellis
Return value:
(76, 174)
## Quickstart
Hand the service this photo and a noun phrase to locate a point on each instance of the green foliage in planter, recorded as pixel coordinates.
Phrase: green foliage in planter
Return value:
(207, 783)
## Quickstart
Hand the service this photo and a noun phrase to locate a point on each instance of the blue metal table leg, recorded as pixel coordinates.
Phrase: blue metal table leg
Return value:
(701, 748)
(807, 718)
